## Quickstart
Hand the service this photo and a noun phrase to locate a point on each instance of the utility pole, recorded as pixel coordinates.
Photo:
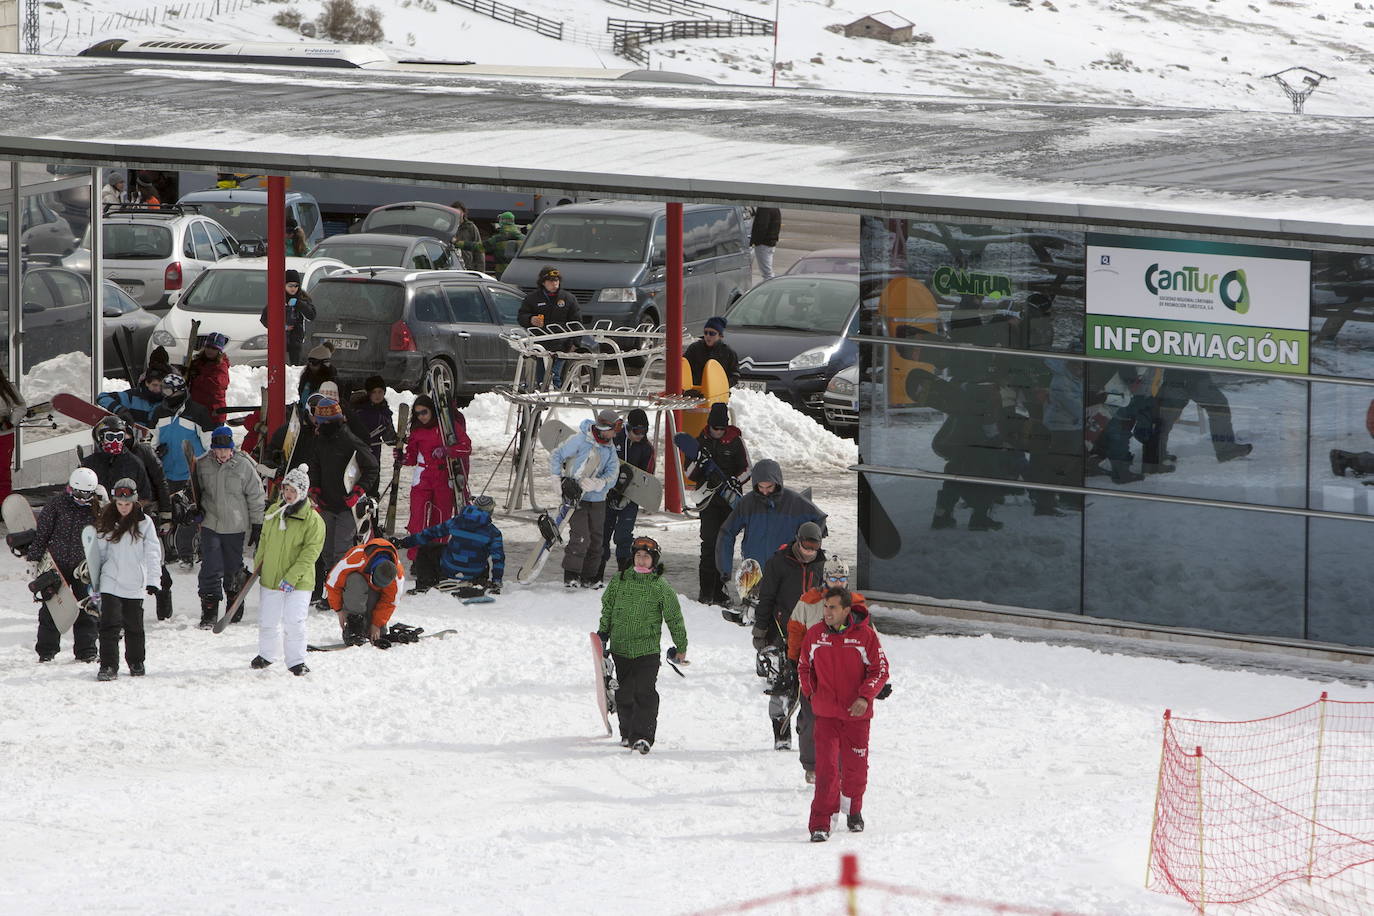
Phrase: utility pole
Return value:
(31, 31)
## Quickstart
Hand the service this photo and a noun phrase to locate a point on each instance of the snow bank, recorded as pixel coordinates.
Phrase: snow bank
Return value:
(775, 429)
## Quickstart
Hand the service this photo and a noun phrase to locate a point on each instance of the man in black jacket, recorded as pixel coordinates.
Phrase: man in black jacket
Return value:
(632, 445)
(550, 304)
(300, 311)
(795, 569)
(712, 346)
(326, 450)
(724, 445)
(764, 237)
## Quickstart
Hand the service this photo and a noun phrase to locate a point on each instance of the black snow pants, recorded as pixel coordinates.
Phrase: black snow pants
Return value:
(121, 614)
(636, 696)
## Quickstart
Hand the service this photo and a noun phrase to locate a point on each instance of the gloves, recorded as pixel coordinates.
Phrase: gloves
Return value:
(286, 587)
(760, 639)
(885, 692)
(440, 453)
(673, 656)
(494, 588)
(398, 454)
(356, 494)
(457, 451)
(408, 542)
(605, 643)
(254, 535)
(589, 484)
(151, 589)
(570, 489)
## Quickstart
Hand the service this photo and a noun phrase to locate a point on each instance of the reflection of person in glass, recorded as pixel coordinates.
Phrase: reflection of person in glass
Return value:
(1176, 388)
(1358, 463)
(970, 440)
(1060, 461)
(1129, 411)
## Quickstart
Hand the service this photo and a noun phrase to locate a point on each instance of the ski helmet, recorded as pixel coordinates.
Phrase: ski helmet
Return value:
(173, 382)
(836, 569)
(110, 434)
(381, 569)
(648, 545)
(83, 485)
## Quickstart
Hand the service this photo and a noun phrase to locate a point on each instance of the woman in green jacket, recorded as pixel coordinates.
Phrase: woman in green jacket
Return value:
(292, 538)
(634, 608)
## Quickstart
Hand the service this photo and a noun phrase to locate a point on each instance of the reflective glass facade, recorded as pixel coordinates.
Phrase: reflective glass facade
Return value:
(1176, 447)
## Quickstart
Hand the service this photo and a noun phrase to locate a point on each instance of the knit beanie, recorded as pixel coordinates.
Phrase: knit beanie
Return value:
(637, 419)
(222, 437)
(716, 323)
(507, 218)
(374, 381)
(719, 415)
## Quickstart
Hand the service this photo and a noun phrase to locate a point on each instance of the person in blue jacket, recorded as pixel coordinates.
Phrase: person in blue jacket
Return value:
(475, 551)
(177, 470)
(137, 404)
(585, 467)
(768, 515)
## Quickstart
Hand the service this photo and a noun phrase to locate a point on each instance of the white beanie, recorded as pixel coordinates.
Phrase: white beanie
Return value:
(298, 478)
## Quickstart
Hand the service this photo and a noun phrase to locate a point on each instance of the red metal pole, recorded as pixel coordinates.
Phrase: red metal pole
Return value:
(672, 357)
(276, 301)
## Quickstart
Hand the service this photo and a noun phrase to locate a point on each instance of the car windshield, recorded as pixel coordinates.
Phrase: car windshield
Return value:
(574, 237)
(836, 265)
(363, 254)
(411, 220)
(134, 241)
(241, 220)
(797, 304)
(227, 291)
(358, 299)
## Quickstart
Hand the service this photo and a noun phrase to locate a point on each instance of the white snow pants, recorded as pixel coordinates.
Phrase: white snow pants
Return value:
(280, 611)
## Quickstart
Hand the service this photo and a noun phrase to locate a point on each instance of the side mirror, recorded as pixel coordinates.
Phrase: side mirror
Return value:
(110, 311)
(31, 308)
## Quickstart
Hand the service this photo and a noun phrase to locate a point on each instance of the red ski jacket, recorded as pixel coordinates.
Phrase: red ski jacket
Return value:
(421, 442)
(838, 667)
(206, 383)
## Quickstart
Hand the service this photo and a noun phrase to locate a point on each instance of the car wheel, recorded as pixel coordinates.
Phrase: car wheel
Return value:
(440, 375)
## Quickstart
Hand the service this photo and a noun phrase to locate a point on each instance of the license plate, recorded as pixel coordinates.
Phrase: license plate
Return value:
(752, 386)
(128, 287)
(343, 343)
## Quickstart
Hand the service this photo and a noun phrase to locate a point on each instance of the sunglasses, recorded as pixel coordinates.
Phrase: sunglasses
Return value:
(837, 578)
(710, 333)
(422, 411)
(124, 493)
(639, 429)
(317, 362)
(810, 544)
(553, 275)
(720, 428)
(293, 283)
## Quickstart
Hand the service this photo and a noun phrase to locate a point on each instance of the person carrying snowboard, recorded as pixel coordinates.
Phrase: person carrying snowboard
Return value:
(768, 515)
(292, 538)
(158, 505)
(473, 549)
(632, 445)
(207, 378)
(585, 468)
(795, 569)
(431, 492)
(231, 499)
(637, 603)
(124, 557)
(723, 444)
(58, 530)
(362, 589)
(842, 668)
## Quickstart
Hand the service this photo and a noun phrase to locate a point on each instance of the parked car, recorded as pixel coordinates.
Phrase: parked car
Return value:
(228, 297)
(57, 317)
(377, 249)
(611, 254)
(125, 319)
(244, 212)
(44, 232)
(791, 336)
(841, 401)
(828, 261)
(411, 324)
(414, 217)
(154, 253)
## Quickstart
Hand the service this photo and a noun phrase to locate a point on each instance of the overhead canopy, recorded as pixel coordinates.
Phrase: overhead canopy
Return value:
(1237, 172)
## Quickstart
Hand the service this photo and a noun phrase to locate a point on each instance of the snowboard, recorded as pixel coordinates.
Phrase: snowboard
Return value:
(604, 678)
(714, 386)
(402, 430)
(239, 596)
(729, 488)
(79, 409)
(553, 433)
(635, 485)
(552, 530)
(336, 646)
(63, 605)
(747, 578)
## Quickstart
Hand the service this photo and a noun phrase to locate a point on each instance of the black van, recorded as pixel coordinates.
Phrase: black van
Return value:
(611, 254)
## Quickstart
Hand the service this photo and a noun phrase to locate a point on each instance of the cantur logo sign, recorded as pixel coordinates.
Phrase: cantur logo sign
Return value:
(1229, 287)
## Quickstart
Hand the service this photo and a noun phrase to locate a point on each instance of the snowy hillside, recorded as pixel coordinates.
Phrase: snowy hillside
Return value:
(1178, 53)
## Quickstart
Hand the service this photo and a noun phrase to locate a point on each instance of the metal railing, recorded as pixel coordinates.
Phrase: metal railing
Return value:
(694, 7)
(503, 12)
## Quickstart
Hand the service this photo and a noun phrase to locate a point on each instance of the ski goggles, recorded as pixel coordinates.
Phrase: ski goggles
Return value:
(124, 493)
(83, 496)
(551, 275)
(643, 543)
(844, 578)
(112, 435)
(810, 543)
(311, 361)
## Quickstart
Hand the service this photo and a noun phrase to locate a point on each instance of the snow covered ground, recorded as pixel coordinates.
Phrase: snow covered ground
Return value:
(1178, 53)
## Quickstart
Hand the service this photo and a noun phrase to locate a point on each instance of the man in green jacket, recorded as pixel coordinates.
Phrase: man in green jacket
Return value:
(501, 246)
(291, 541)
(634, 608)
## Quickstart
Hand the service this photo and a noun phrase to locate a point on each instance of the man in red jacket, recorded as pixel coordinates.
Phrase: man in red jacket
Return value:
(841, 669)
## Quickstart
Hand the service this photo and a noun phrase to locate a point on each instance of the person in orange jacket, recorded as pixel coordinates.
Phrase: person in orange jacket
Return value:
(362, 589)
(808, 612)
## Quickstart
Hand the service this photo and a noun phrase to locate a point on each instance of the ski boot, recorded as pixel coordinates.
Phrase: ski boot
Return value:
(571, 579)
(856, 823)
(299, 670)
(209, 613)
(641, 745)
(258, 663)
(107, 673)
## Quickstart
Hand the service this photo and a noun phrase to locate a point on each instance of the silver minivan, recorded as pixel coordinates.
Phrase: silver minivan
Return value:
(611, 254)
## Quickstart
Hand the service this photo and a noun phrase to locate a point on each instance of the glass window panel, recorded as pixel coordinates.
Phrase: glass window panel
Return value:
(467, 304)
(1190, 432)
(1342, 449)
(1032, 561)
(429, 305)
(200, 239)
(1340, 580)
(45, 230)
(1230, 570)
(507, 304)
(1342, 324)
(993, 285)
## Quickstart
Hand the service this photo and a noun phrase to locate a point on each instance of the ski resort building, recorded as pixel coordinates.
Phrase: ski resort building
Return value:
(1117, 365)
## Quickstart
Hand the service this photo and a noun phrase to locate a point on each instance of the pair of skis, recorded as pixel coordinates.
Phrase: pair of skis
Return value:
(442, 396)
(394, 489)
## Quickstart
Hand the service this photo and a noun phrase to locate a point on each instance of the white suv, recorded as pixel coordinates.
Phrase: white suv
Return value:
(229, 297)
(151, 253)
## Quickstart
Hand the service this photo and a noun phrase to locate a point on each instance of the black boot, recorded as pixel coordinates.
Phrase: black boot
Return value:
(209, 613)
(107, 673)
(856, 823)
(299, 670)
(1122, 473)
(571, 579)
(259, 662)
(1340, 461)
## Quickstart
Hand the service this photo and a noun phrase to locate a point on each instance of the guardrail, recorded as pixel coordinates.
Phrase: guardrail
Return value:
(691, 7)
(503, 12)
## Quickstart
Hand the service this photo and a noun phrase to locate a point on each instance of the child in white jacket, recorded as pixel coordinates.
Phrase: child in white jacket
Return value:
(124, 557)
